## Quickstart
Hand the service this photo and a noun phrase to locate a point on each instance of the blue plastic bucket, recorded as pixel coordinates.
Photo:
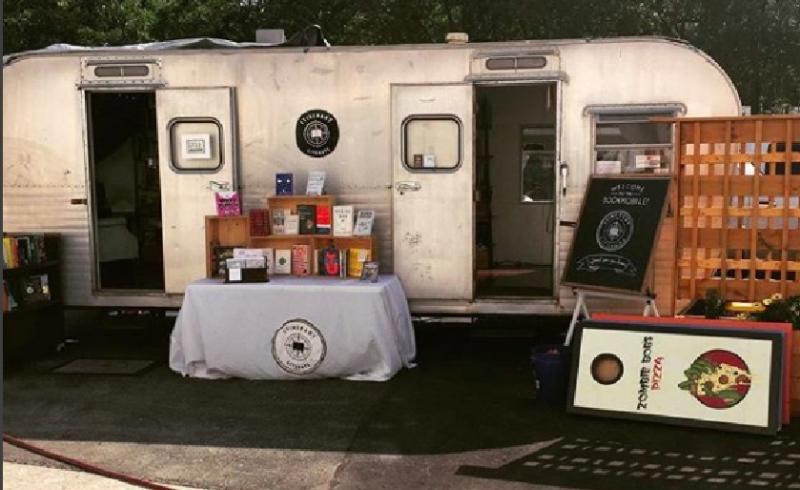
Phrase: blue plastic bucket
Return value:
(551, 370)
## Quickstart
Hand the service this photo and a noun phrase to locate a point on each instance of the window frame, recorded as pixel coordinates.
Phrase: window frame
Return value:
(646, 113)
(172, 147)
(431, 117)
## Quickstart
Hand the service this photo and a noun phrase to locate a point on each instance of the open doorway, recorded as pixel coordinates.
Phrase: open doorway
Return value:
(126, 191)
(515, 182)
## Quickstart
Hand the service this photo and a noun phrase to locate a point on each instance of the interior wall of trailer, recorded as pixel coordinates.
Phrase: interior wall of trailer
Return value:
(522, 232)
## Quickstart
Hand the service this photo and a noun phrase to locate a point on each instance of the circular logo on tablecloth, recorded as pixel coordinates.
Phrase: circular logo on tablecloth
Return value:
(317, 133)
(615, 230)
(298, 347)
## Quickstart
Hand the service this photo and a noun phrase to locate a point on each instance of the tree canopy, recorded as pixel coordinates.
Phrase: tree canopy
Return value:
(757, 42)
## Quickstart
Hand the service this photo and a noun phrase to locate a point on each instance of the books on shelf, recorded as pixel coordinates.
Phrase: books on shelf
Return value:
(284, 184)
(364, 221)
(228, 203)
(258, 222)
(279, 220)
(329, 261)
(36, 288)
(283, 261)
(316, 183)
(308, 218)
(323, 222)
(291, 224)
(24, 250)
(300, 256)
(343, 220)
(355, 261)
(219, 258)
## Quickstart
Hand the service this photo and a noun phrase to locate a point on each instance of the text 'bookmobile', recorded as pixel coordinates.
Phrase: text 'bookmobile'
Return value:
(475, 156)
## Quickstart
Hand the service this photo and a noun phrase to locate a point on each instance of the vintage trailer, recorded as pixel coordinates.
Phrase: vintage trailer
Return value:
(475, 157)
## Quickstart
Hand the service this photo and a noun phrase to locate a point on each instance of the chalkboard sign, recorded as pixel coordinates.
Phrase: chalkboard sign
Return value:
(616, 232)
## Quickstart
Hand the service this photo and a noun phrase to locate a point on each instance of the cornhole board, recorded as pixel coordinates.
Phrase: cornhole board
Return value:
(699, 377)
(785, 328)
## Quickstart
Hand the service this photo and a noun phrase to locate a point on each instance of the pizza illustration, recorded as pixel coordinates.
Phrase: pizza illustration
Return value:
(718, 379)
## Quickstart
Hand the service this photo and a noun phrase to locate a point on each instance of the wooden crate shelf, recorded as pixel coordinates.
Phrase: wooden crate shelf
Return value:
(224, 231)
(234, 231)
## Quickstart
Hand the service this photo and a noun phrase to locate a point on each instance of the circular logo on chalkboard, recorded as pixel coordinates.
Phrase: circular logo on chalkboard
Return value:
(615, 230)
(298, 347)
(317, 133)
(718, 379)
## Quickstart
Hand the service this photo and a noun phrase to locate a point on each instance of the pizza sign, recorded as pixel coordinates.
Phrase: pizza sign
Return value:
(727, 379)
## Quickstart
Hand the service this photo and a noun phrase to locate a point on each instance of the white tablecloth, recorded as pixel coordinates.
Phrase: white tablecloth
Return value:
(293, 328)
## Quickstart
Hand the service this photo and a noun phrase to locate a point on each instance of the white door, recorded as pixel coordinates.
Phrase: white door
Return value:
(197, 155)
(432, 131)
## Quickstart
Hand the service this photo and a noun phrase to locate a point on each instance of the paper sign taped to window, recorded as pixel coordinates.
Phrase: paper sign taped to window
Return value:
(648, 161)
(608, 167)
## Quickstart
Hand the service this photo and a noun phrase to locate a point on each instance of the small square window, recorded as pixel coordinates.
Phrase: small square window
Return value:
(432, 142)
(196, 145)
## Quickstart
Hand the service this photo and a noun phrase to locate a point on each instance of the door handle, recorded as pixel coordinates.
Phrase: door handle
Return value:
(408, 185)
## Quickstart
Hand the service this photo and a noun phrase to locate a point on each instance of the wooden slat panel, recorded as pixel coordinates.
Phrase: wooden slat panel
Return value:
(742, 185)
(721, 204)
(712, 238)
(762, 212)
(738, 290)
(786, 193)
(695, 208)
(741, 158)
(763, 265)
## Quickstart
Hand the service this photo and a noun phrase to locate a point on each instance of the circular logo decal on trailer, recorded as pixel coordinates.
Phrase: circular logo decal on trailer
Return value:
(317, 133)
(615, 230)
(298, 347)
(717, 379)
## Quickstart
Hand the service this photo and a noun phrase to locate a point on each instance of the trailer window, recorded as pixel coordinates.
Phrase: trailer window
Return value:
(630, 143)
(431, 142)
(195, 144)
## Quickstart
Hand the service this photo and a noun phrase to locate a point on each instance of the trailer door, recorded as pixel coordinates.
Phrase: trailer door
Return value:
(197, 156)
(432, 128)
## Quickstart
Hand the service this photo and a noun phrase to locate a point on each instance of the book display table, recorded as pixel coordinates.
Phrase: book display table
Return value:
(294, 328)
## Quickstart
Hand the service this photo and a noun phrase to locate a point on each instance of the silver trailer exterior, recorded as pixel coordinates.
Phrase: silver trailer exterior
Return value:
(425, 224)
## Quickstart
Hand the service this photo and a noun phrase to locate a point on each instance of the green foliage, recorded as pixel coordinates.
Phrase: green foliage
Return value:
(715, 304)
(782, 310)
(757, 42)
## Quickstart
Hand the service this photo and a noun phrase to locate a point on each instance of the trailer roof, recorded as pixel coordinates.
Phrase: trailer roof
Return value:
(313, 42)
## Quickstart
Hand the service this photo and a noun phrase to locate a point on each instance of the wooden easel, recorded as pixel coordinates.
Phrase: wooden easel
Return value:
(649, 299)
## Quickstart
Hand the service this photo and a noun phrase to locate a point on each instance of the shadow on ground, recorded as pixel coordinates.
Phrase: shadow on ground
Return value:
(473, 390)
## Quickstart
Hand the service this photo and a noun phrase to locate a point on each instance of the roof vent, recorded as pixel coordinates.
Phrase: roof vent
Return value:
(457, 38)
(270, 36)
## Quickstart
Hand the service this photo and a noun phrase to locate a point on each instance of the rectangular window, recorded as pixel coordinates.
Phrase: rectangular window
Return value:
(538, 164)
(630, 143)
(195, 144)
(431, 142)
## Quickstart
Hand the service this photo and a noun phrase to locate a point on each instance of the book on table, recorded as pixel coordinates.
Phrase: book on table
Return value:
(364, 220)
(323, 222)
(284, 184)
(355, 261)
(307, 214)
(343, 220)
(283, 261)
(279, 221)
(316, 183)
(300, 255)
(292, 224)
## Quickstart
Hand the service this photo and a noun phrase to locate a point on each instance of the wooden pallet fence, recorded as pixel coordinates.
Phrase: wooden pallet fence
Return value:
(737, 227)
